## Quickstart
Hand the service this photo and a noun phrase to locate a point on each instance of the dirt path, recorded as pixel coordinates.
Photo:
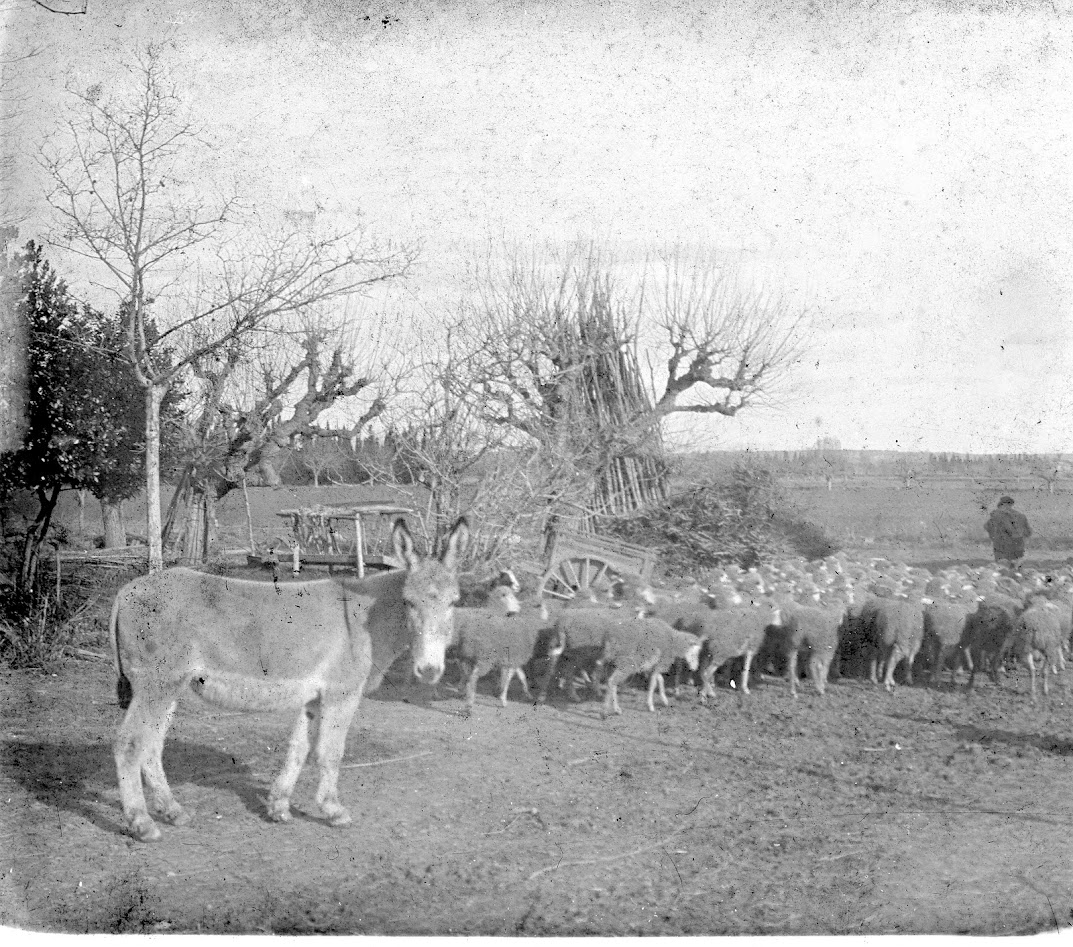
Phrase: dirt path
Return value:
(860, 812)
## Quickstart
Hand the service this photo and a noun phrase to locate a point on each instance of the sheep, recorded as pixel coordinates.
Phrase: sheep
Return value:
(1060, 608)
(984, 638)
(645, 646)
(496, 636)
(575, 638)
(944, 628)
(687, 614)
(581, 636)
(894, 628)
(732, 633)
(1038, 628)
(811, 628)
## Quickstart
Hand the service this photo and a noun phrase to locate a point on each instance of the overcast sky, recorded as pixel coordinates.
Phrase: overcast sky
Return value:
(903, 171)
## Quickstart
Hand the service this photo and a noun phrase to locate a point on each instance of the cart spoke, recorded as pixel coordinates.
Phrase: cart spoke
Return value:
(568, 572)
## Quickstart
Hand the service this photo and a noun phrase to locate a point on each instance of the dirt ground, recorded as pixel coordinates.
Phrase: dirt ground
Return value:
(860, 812)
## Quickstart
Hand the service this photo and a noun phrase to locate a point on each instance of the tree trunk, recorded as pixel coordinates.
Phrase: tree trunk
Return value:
(266, 465)
(82, 495)
(199, 537)
(153, 396)
(115, 533)
(35, 536)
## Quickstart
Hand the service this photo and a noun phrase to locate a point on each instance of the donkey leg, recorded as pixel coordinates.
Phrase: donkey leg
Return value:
(153, 772)
(133, 745)
(279, 796)
(335, 719)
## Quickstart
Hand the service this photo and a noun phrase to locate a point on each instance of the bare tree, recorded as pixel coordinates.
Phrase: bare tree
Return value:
(321, 454)
(119, 191)
(556, 352)
(254, 400)
(729, 344)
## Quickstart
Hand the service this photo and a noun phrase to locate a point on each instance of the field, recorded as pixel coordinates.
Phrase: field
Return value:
(860, 812)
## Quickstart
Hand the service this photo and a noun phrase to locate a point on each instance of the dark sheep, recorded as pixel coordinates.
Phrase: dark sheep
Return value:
(983, 641)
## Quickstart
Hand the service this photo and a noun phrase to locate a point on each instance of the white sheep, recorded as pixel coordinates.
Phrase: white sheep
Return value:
(732, 633)
(1037, 629)
(497, 635)
(813, 629)
(645, 646)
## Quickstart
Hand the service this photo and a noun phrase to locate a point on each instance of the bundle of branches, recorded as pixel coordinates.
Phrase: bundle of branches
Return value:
(746, 519)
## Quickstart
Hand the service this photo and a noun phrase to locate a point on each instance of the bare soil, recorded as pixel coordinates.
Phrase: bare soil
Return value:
(860, 812)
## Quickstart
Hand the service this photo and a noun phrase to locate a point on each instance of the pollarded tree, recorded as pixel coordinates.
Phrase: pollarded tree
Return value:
(558, 346)
(128, 194)
(249, 406)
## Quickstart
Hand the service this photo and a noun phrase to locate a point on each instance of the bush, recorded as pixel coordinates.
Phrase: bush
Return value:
(39, 636)
(744, 518)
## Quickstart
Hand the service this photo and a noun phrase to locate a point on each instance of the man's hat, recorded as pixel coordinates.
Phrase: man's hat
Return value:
(1006, 501)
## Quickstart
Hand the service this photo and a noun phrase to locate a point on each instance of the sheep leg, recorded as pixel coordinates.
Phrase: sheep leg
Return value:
(745, 672)
(935, 659)
(707, 685)
(471, 684)
(506, 675)
(892, 663)
(1032, 672)
(522, 678)
(791, 671)
(817, 670)
(910, 658)
(652, 684)
(676, 686)
(662, 691)
(542, 694)
(967, 654)
(479, 670)
(611, 697)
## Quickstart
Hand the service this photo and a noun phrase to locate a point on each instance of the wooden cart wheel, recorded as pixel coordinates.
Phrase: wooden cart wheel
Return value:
(577, 574)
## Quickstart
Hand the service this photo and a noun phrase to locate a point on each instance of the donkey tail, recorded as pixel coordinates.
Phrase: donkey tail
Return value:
(124, 692)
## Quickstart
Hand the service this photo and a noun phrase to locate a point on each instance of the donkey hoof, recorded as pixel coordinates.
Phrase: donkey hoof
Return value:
(338, 819)
(279, 811)
(176, 816)
(145, 830)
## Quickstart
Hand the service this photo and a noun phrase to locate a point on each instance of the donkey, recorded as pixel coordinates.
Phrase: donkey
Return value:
(313, 646)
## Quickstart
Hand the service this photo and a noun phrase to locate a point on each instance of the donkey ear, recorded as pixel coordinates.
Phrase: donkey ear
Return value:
(456, 543)
(404, 544)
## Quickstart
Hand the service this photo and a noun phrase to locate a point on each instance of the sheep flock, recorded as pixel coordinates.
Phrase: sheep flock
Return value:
(827, 619)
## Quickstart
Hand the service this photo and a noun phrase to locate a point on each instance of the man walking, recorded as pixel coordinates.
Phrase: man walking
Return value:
(1008, 529)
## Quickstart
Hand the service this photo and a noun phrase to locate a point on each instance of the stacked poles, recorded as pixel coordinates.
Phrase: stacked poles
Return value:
(615, 411)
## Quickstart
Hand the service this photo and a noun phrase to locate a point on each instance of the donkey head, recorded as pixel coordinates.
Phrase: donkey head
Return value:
(430, 594)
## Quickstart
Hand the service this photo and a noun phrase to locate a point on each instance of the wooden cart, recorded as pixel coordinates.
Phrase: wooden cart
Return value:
(577, 564)
(318, 536)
